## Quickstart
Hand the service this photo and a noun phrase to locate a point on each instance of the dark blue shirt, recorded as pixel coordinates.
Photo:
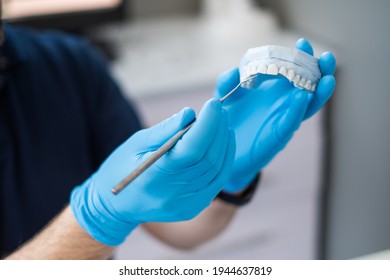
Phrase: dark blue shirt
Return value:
(61, 114)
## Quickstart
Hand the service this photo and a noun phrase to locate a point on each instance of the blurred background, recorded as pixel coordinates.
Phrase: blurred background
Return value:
(327, 195)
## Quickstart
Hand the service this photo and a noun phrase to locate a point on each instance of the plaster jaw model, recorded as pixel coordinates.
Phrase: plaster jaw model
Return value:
(300, 68)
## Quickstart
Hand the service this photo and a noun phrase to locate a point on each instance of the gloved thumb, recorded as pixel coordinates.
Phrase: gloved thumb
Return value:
(157, 135)
(226, 82)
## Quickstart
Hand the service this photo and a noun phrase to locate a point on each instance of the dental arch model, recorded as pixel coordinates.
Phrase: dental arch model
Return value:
(300, 68)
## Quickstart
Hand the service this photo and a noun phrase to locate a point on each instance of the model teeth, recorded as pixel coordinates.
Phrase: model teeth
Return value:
(272, 69)
(301, 69)
(262, 69)
(307, 85)
(290, 75)
(302, 82)
(297, 79)
(283, 71)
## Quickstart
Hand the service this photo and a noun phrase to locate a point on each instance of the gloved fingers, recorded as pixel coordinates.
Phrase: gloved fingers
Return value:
(327, 63)
(195, 143)
(220, 180)
(325, 88)
(216, 151)
(152, 138)
(293, 117)
(304, 45)
(206, 169)
(216, 184)
(205, 196)
(324, 91)
(226, 82)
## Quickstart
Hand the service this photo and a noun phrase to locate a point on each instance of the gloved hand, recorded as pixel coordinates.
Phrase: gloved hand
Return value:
(265, 118)
(177, 187)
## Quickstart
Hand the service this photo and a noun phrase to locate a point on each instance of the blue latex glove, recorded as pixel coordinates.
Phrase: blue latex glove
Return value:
(177, 187)
(265, 118)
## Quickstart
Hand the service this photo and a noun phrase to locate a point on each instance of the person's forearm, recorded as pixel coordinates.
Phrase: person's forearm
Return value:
(189, 234)
(63, 238)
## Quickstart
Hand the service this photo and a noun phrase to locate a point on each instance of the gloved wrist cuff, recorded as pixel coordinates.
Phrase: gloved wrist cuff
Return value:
(100, 226)
(236, 186)
(244, 197)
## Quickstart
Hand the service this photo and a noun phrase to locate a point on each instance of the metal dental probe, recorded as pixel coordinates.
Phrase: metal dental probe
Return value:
(165, 148)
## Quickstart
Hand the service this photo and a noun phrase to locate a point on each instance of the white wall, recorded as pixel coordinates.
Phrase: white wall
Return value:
(359, 206)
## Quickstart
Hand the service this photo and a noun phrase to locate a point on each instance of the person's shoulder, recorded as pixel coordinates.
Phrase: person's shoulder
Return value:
(57, 47)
